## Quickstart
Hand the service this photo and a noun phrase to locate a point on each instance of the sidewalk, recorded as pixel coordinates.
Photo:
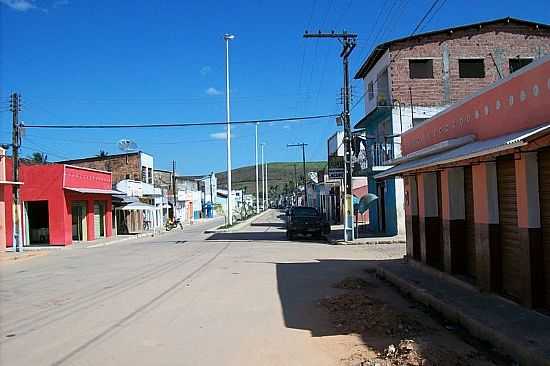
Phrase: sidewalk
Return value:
(10, 256)
(336, 236)
(522, 333)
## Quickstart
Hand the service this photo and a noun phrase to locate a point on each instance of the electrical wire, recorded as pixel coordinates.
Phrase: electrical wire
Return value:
(176, 124)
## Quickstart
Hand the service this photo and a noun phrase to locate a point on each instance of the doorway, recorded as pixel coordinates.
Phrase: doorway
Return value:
(99, 219)
(38, 222)
(79, 227)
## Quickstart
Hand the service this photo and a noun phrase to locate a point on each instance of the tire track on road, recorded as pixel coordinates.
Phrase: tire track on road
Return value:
(54, 314)
(142, 309)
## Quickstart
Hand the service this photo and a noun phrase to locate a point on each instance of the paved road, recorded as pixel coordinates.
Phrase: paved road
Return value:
(186, 298)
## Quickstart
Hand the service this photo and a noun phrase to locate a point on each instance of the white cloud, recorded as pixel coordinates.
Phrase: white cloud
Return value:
(213, 91)
(219, 135)
(205, 70)
(19, 5)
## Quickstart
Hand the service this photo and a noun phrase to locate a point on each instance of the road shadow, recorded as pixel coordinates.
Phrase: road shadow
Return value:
(376, 312)
(269, 224)
(273, 236)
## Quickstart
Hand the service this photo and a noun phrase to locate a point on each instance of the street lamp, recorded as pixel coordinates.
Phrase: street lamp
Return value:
(257, 180)
(227, 37)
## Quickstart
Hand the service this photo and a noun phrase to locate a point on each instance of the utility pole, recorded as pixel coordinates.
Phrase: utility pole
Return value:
(263, 178)
(302, 145)
(174, 194)
(15, 107)
(257, 180)
(348, 41)
(227, 38)
(266, 186)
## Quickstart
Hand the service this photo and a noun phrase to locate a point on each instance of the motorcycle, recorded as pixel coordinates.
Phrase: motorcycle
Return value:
(171, 224)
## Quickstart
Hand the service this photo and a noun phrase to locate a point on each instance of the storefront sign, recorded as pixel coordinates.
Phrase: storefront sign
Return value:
(336, 167)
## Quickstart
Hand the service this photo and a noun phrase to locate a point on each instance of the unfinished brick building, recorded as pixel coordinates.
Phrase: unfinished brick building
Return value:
(411, 79)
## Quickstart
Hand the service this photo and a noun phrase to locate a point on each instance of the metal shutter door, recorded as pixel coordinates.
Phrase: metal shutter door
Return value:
(544, 192)
(508, 223)
(469, 223)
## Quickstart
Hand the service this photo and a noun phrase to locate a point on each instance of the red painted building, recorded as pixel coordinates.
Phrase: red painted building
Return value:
(61, 204)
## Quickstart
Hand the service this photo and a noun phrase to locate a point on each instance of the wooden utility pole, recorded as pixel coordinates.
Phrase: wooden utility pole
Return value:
(348, 41)
(15, 107)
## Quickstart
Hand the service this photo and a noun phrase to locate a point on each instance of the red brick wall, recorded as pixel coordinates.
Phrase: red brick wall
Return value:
(118, 165)
(512, 39)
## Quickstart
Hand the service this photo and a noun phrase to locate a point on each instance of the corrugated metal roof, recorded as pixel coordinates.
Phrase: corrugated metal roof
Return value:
(94, 190)
(468, 151)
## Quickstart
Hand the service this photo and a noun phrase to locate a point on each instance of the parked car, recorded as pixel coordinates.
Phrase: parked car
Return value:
(306, 221)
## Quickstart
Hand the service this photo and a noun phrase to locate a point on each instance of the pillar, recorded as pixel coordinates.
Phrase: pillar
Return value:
(108, 218)
(530, 231)
(429, 220)
(90, 219)
(453, 220)
(411, 217)
(484, 179)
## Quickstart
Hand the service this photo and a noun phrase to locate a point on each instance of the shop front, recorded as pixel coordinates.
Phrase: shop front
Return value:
(63, 204)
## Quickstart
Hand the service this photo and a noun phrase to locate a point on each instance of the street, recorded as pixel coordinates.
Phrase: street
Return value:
(186, 298)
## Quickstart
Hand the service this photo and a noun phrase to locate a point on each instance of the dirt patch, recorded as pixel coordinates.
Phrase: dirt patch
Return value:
(354, 283)
(396, 331)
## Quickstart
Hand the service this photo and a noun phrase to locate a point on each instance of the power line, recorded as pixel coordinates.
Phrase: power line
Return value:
(418, 25)
(177, 124)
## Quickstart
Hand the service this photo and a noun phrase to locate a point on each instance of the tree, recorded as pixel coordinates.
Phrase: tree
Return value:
(102, 153)
(38, 158)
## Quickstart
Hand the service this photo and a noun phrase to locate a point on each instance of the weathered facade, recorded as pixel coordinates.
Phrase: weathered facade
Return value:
(477, 188)
(412, 79)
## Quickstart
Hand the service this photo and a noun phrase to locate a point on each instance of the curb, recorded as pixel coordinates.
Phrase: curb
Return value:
(523, 353)
(237, 226)
(370, 242)
(15, 258)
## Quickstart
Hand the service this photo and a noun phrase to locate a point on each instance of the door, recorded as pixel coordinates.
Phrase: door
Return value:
(508, 224)
(99, 219)
(76, 213)
(544, 194)
(381, 207)
(469, 224)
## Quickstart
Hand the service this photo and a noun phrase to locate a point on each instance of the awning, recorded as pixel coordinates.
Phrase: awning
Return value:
(94, 190)
(468, 151)
(137, 206)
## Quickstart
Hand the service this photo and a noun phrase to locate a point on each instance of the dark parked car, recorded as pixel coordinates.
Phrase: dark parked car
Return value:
(306, 220)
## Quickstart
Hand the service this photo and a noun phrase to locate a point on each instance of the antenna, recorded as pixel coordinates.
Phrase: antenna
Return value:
(127, 145)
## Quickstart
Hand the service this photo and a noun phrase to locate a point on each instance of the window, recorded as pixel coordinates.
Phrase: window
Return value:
(471, 68)
(127, 176)
(421, 69)
(144, 174)
(150, 175)
(370, 90)
(517, 63)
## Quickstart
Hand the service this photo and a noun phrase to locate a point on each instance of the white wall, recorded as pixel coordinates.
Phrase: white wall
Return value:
(334, 143)
(400, 205)
(148, 161)
(382, 64)
(404, 119)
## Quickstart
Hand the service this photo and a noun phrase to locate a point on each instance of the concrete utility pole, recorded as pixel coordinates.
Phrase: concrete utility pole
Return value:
(302, 145)
(15, 107)
(174, 193)
(257, 180)
(263, 178)
(348, 41)
(266, 186)
(227, 38)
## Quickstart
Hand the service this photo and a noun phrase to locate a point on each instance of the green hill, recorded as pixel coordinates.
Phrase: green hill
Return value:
(280, 176)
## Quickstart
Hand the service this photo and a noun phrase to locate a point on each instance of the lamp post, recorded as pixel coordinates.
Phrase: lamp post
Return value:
(263, 178)
(227, 37)
(257, 179)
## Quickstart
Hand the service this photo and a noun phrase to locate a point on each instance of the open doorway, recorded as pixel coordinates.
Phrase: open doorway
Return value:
(79, 227)
(37, 218)
(99, 219)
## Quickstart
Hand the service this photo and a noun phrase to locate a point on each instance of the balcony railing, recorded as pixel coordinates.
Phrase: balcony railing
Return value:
(375, 155)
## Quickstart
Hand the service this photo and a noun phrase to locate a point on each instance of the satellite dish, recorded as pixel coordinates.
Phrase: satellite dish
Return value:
(127, 145)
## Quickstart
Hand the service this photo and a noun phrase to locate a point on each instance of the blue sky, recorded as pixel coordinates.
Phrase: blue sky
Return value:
(164, 61)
